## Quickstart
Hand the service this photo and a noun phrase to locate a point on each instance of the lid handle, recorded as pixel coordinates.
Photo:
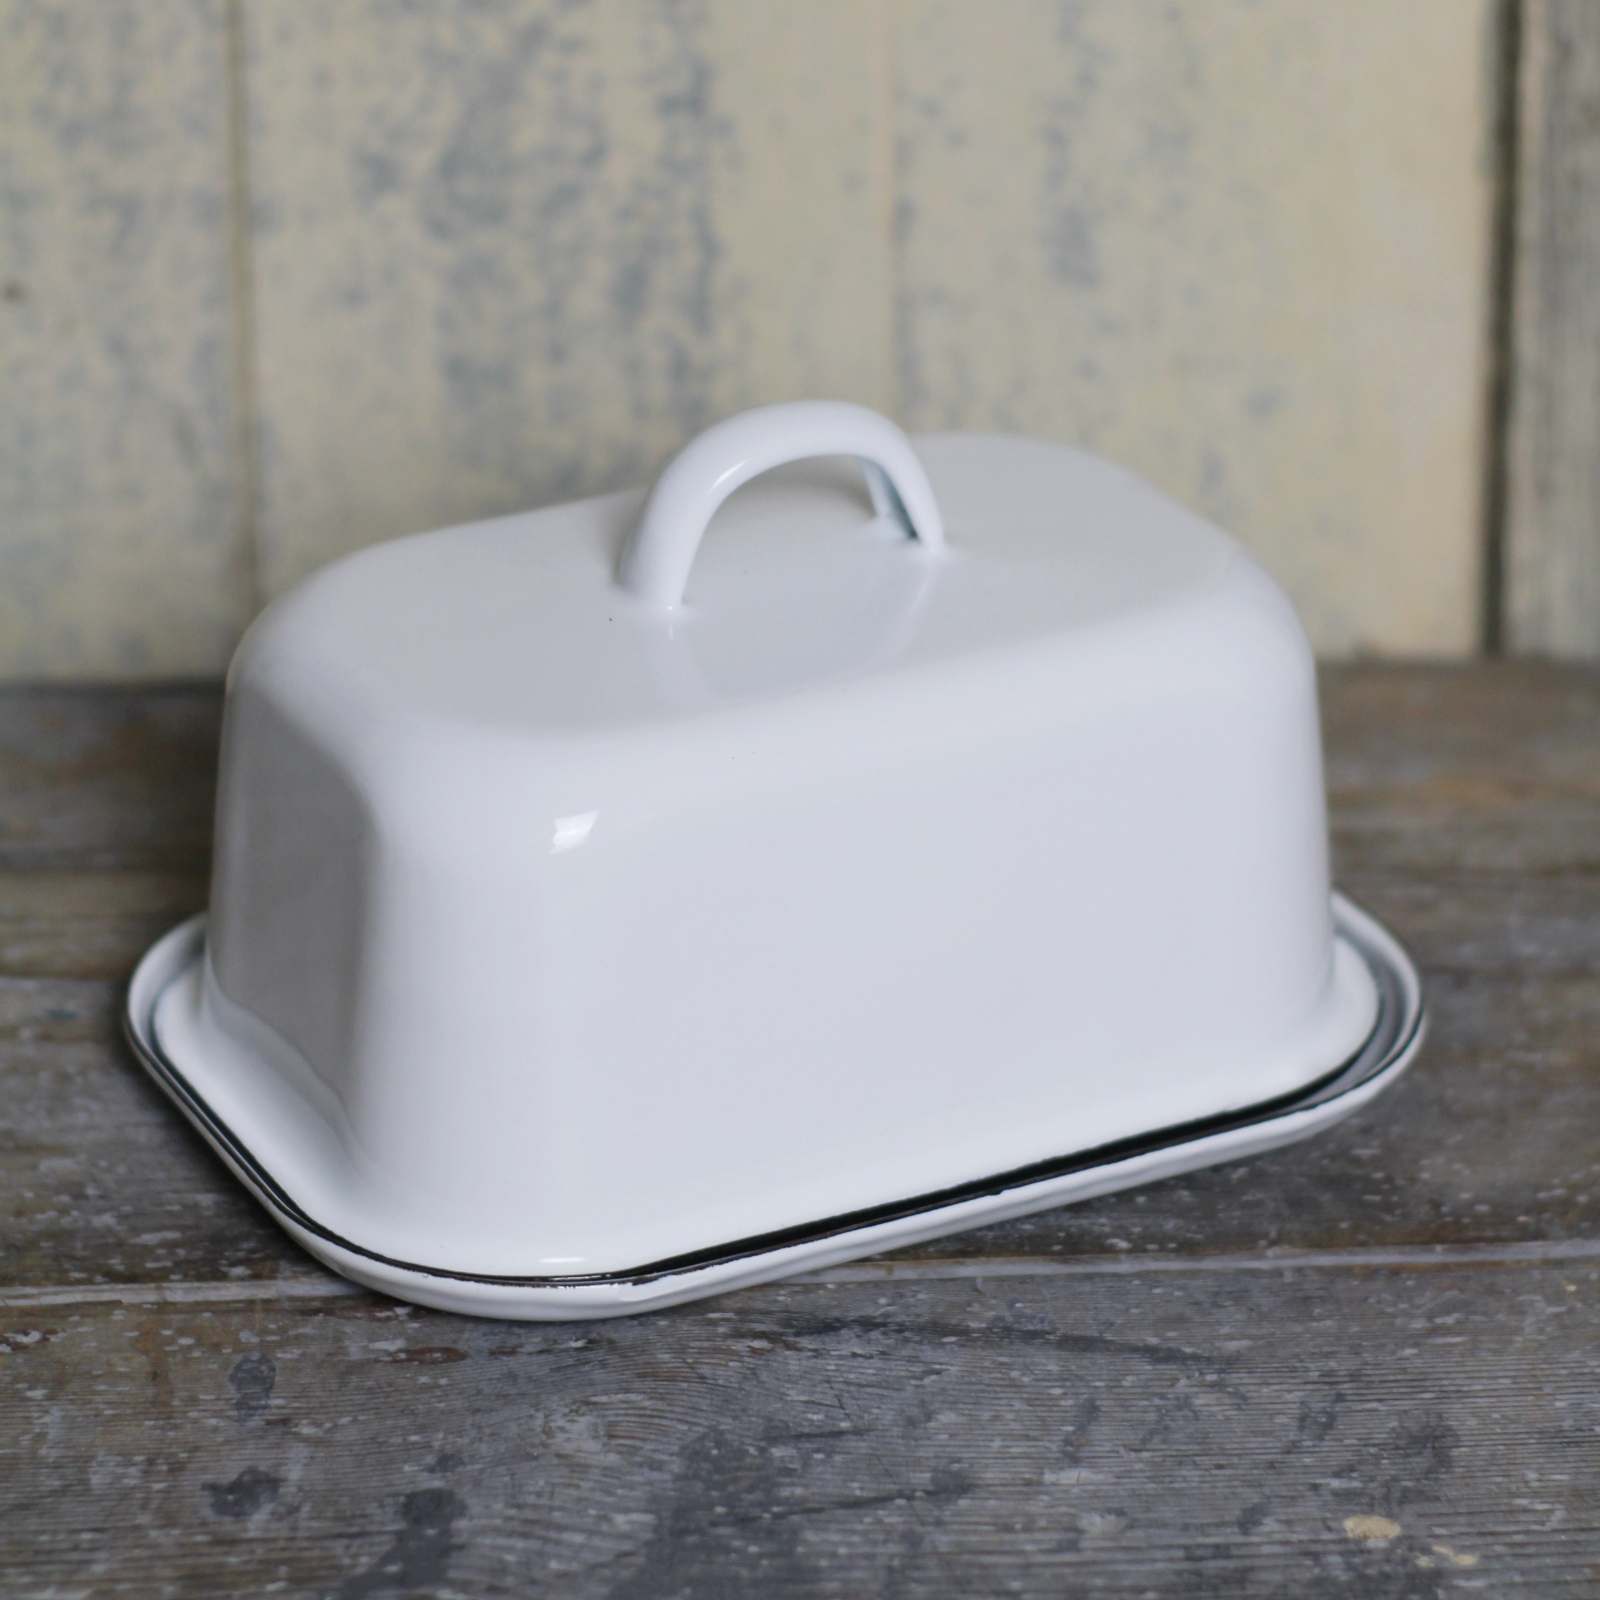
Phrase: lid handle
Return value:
(661, 549)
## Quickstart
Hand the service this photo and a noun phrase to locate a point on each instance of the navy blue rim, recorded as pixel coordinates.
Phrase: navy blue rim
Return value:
(1393, 1033)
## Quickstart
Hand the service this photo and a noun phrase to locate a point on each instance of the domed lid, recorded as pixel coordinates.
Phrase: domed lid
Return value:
(621, 610)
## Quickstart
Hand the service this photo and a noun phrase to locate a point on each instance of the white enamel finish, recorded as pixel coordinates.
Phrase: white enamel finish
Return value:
(179, 953)
(556, 929)
(658, 555)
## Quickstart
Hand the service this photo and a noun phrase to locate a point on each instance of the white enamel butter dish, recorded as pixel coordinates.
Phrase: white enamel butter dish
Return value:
(602, 918)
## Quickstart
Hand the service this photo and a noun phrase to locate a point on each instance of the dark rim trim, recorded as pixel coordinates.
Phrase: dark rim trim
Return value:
(1393, 1033)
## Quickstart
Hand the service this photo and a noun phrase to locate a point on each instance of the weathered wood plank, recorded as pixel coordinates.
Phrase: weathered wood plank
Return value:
(465, 259)
(508, 255)
(1241, 249)
(1489, 774)
(1329, 1432)
(1103, 1398)
(91, 924)
(107, 779)
(121, 542)
(1553, 463)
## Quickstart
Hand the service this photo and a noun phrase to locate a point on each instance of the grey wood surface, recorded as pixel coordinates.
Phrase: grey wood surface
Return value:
(1369, 1365)
(1553, 442)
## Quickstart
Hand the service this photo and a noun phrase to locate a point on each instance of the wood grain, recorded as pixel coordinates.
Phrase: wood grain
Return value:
(1368, 1365)
(1552, 530)
(1364, 1432)
(113, 781)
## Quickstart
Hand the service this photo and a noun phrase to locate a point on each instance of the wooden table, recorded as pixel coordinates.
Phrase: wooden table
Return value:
(1369, 1365)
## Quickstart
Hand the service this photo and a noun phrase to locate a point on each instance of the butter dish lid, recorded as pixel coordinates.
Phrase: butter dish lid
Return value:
(620, 898)
(626, 609)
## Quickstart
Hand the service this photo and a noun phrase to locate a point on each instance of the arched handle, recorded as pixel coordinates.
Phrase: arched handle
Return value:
(656, 561)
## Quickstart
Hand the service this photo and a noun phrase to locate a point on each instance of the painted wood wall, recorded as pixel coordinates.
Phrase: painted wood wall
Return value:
(282, 277)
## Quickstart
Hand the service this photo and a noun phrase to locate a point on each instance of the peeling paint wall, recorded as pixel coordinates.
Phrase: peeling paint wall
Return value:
(279, 278)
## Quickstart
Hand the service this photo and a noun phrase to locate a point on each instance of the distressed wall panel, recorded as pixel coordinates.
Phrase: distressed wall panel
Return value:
(1241, 248)
(502, 254)
(120, 550)
(508, 255)
(1553, 455)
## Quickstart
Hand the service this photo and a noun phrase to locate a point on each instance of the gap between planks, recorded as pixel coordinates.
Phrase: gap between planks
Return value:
(1539, 1251)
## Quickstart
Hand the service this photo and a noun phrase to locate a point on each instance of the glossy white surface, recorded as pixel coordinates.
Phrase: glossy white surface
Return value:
(659, 553)
(1390, 1052)
(556, 929)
